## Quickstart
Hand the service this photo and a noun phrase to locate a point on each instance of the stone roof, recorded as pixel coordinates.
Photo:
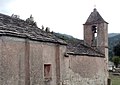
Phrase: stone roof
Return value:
(13, 26)
(79, 48)
(95, 17)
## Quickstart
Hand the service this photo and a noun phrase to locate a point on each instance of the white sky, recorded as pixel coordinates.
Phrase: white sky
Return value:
(64, 16)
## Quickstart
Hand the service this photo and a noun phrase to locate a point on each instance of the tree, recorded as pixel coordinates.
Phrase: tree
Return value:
(116, 50)
(116, 60)
(116, 57)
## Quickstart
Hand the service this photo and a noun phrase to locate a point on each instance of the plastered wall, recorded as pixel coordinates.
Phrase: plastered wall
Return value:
(22, 61)
(85, 70)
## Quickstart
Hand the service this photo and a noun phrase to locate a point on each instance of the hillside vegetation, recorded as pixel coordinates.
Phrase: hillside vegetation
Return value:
(113, 41)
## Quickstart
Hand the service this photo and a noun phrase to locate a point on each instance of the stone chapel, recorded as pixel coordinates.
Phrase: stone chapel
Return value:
(31, 56)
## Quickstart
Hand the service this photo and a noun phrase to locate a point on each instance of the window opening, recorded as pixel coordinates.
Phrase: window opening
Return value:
(94, 35)
(47, 71)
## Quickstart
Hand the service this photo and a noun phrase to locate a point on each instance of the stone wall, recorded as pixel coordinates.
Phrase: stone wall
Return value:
(22, 61)
(12, 61)
(36, 63)
(85, 70)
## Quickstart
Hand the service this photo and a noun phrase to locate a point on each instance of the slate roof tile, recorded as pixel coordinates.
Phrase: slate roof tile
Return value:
(79, 48)
(95, 17)
(19, 28)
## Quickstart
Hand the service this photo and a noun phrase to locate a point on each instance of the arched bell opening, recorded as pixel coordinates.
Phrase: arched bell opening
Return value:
(94, 35)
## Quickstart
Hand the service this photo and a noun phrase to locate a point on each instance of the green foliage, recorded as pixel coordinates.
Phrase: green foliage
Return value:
(67, 38)
(113, 41)
(116, 50)
(116, 57)
(116, 60)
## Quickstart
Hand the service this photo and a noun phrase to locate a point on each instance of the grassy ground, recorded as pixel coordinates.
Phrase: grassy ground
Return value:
(115, 79)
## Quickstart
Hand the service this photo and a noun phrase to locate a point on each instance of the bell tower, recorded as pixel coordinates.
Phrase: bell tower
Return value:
(96, 32)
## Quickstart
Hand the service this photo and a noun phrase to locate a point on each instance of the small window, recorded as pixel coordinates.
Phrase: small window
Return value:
(47, 71)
